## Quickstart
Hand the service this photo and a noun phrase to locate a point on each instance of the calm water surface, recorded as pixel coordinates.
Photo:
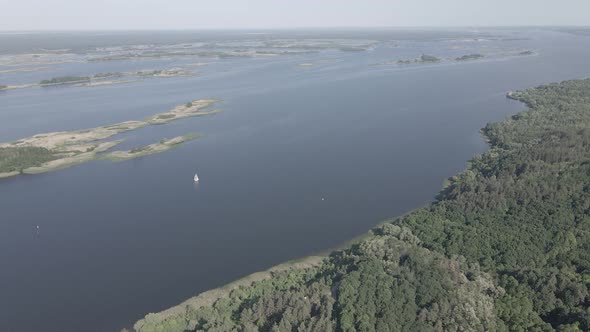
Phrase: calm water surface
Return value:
(119, 240)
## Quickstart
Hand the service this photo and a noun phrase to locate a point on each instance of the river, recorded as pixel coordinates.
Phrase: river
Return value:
(301, 160)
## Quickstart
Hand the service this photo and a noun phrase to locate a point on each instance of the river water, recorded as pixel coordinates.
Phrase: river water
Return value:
(301, 160)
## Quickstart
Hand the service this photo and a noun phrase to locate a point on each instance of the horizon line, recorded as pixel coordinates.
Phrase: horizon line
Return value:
(291, 28)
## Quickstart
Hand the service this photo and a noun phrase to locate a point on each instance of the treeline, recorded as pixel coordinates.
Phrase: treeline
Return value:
(505, 247)
(16, 159)
(522, 210)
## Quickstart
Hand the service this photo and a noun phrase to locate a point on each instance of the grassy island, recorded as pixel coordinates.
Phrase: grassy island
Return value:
(424, 58)
(469, 57)
(194, 108)
(428, 58)
(52, 151)
(65, 80)
(14, 159)
(102, 83)
(23, 70)
(163, 145)
(103, 79)
(505, 247)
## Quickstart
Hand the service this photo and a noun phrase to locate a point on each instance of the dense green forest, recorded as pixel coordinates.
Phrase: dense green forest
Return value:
(505, 247)
(15, 159)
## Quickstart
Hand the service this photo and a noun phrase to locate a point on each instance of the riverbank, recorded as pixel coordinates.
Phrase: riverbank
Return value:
(208, 298)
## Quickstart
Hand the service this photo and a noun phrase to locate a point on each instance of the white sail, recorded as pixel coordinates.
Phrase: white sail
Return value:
(196, 178)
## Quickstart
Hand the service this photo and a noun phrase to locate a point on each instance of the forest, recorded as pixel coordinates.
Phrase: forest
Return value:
(505, 246)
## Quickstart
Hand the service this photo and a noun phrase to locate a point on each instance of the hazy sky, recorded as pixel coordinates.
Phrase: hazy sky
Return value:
(213, 14)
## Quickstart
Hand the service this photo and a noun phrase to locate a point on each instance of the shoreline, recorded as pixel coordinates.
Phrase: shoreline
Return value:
(211, 296)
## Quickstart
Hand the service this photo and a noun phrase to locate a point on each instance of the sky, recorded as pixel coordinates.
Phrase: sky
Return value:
(260, 14)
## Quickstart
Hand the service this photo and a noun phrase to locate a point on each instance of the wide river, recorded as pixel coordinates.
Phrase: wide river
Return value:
(301, 160)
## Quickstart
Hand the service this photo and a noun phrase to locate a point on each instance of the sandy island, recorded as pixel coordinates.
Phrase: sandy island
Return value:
(198, 64)
(102, 83)
(163, 145)
(23, 70)
(103, 78)
(79, 146)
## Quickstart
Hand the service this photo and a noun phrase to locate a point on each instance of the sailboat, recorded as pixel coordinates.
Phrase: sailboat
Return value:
(196, 178)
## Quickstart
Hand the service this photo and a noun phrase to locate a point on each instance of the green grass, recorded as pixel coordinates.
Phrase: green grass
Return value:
(16, 159)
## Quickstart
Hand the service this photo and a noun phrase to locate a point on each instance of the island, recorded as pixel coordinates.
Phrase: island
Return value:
(39, 60)
(423, 59)
(527, 52)
(163, 145)
(352, 49)
(198, 64)
(98, 78)
(102, 83)
(52, 151)
(321, 61)
(103, 79)
(65, 80)
(23, 70)
(504, 247)
(253, 48)
(20, 86)
(428, 58)
(469, 57)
